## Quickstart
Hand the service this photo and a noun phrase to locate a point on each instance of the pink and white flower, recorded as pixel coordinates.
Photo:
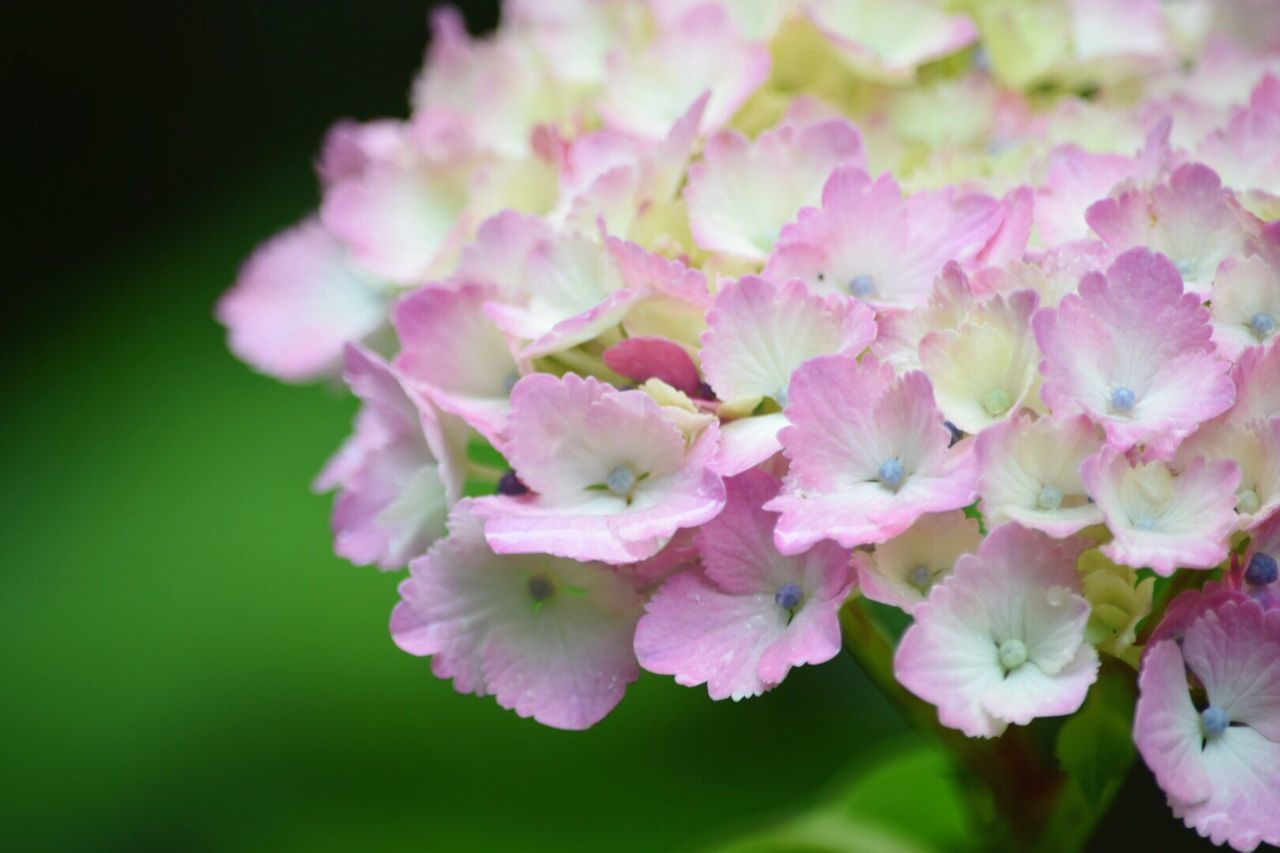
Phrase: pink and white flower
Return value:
(1190, 218)
(450, 347)
(548, 638)
(984, 370)
(1245, 305)
(1029, 472)
(1133, 352)
(902, 571)
(609, 473)
(647, 89)
(398, 474)
(742, 192)
(742, 619)
(869, 455)
(757, 335)
(869, 241)
(1161, 518)
(297, 302)
(1002, 640)
(1218, 764)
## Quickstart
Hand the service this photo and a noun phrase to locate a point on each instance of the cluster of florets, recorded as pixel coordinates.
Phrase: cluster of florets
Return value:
(967, 308)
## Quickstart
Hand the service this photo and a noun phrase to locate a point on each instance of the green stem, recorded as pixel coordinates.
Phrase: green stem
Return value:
(1023, 782)
(480, 472)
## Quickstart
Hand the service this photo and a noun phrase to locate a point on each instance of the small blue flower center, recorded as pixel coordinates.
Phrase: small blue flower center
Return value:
(1122, 400)
(1247, 502)
(892, 473)
(621, 480)
(1214, 720)
(789, 596)
(780, 397)
(1262, 570)
(510, 484)
(1050, 498)
(541, 588)
(1185, 268)
(920, 577)
(1144, 523)
(862, 286)
(1263, 324)
(1013, 654)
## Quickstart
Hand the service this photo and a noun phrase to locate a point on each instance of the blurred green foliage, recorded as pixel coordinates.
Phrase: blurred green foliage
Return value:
(187, 667)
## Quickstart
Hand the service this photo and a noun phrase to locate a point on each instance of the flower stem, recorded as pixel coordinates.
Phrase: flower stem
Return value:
(482, 473)
(1023, 782)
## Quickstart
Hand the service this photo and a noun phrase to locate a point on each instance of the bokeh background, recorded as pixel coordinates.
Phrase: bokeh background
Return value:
(183, 663)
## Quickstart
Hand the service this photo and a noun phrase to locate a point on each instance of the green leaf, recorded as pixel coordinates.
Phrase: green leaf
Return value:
(907, 801)
(1095, 747)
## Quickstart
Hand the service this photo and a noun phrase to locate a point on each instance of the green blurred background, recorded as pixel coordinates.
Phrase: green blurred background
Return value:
(183, 663)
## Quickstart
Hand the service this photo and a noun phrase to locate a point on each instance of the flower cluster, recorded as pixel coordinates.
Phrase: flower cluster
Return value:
(968, 308)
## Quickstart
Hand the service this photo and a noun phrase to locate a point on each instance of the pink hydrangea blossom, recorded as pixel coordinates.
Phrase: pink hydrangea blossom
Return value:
(739, 622)
(1254, 445)
(1002, 639)
(401, 216)
(1244, 152)
(1217, 764)
(646, 90)
(1078, 178)
(1190, 218)
(609, 473)
(479, 95)
(398, 474)
(1133, 351)
(869, 241)
(1245, 305)
(757, 335)
(742, 192)
(984, 370)
(1029, 472)
(450, 347)
(901, 330)
(1256, 375)
(902, 571)
(548, 638)
(297, 302)
(869, 455)
(1161, 518)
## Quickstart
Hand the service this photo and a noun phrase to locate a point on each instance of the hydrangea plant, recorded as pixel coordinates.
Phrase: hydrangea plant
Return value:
(711, 338)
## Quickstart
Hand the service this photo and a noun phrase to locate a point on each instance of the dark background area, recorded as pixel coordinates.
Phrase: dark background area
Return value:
(183, 663)
(130, 120)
